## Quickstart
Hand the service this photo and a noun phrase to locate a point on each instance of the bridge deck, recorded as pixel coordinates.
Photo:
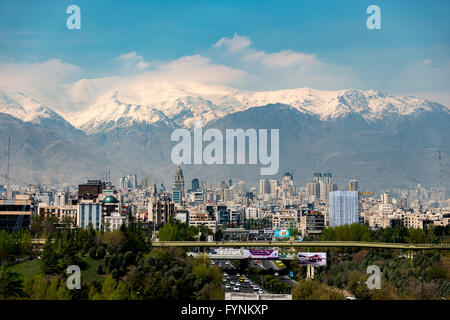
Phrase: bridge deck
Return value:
(280, 244)
(329, 244)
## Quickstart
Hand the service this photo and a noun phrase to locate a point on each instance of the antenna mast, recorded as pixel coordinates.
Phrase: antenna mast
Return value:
(7, 168)
(441, 200)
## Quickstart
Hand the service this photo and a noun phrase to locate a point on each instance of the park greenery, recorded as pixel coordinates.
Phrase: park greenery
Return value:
(122, 264)
(127, 267)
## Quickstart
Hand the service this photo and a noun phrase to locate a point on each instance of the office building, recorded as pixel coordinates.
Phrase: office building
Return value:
(195, 184)
(16, 213)
(90, 212)
(90, 190)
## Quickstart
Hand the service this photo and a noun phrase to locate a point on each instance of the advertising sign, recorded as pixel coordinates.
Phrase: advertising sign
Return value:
(312, 258)
(282, 233)
(260, 254)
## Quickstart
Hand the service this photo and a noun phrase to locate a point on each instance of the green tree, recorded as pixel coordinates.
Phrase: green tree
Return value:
(11, 284)
(50, 259)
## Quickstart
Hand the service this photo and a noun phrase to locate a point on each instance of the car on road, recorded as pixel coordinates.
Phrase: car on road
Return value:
(260, 291)
(313, 258)
(227, 286)
(236, 288)
(232, 282)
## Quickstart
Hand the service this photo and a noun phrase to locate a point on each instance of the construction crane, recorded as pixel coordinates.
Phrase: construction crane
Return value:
(365, 193)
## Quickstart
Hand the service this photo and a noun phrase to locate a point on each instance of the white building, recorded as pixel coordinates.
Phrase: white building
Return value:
(115, 221)
(343, 208)
(252, 213)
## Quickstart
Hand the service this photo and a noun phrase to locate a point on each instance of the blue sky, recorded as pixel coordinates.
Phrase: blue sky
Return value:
(327, 42)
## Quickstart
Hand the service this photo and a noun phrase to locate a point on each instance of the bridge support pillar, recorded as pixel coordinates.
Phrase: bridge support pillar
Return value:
(309, 272)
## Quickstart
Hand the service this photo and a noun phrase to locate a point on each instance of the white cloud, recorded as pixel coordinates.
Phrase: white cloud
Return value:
(41, 79)
(132, 60)
(235, 44)
(198, 68)
(284, 58)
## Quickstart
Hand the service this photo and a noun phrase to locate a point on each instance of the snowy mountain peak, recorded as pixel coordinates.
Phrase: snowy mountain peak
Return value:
(25, 107)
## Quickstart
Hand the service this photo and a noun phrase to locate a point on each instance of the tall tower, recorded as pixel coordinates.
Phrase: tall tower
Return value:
(178, 182)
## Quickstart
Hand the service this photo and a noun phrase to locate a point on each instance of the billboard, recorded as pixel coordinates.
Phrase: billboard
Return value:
(312, 258)
(260, 254)
(282, 233)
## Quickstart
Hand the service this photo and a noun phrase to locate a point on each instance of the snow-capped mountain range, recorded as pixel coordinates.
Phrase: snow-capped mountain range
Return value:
(364, 134)
(184, 103)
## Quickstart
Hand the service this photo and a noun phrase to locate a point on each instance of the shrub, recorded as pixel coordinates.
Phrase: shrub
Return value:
(128, 257)
(101, 252)
(106, 260)
(92, 253)
(100, 269)
(115, 274)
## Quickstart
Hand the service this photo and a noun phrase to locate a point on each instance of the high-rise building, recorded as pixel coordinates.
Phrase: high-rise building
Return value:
(326, 177)
(132, 181)
(123, 183)
(273, 186)
(313, 190)
(239, 188)
(326, 188)
(195, 184)
(146, 182)
(386, 198)
(317, 177)
(353, 185)
(343, 208)
(264, 186)
(228, 194)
